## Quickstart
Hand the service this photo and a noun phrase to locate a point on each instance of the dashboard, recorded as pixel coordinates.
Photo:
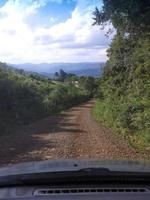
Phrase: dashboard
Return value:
(76, 193)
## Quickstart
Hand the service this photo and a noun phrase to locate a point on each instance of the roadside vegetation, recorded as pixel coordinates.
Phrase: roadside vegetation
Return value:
(124, 89)
(26, 97)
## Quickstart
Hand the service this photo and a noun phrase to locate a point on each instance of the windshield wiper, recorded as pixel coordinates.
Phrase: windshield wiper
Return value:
(66, 171)
(87, 175)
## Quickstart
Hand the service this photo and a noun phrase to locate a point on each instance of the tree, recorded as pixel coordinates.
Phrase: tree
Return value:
(56, 75)
(125, 83)
(127, 16)
(62, 75)
(88, 84)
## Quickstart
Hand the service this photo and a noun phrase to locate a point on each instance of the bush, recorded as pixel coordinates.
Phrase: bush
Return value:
(25, 97)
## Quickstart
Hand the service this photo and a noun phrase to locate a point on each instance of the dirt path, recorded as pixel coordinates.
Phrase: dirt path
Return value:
(72, 134)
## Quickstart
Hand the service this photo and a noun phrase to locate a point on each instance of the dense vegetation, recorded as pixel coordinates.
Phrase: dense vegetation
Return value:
(124, 90)
(26, 97)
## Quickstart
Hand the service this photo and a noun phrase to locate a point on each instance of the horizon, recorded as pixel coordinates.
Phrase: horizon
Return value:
(51, 31)
(88, 68)
(90, 62)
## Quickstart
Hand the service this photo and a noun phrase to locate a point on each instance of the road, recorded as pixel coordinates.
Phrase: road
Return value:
(71, 134)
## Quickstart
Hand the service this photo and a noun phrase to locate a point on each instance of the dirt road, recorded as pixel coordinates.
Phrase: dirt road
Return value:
(72, 134)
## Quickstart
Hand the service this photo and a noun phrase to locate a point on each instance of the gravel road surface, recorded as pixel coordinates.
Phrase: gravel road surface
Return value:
(72, 134)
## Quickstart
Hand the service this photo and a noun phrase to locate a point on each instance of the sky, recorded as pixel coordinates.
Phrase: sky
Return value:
(37, 31)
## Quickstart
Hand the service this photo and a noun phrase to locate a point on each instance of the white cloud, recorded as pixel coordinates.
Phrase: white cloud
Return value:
(74, 40)
(16, 8)
(52, 19)
(76, 32)
(56, 1)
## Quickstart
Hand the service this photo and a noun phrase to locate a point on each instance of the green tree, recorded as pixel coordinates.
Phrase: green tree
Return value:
(89, 85)
(125, 83)
(127, 16)
(62, 75)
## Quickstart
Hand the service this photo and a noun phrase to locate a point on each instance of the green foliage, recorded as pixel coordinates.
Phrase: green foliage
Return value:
(63, 76)
(89, 84)
(125, 86)
(127, 16)
(28, 97)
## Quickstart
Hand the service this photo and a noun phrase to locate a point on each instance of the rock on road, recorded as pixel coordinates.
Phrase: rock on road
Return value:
(72, 134)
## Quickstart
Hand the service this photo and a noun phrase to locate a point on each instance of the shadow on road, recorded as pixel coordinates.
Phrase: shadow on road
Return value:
(28, 143)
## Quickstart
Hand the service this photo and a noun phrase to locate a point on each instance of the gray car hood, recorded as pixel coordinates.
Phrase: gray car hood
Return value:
(74, 165)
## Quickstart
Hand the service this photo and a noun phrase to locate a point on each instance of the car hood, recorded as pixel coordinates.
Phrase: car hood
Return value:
(74, 165)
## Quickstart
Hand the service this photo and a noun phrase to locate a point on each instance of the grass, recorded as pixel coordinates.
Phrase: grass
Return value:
(108, 115)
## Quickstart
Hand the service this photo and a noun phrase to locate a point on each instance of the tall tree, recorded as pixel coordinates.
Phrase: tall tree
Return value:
(127, 16)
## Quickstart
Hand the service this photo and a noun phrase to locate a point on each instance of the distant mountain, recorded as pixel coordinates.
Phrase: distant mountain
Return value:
(88, 72)
(48, 69)
(8, 67)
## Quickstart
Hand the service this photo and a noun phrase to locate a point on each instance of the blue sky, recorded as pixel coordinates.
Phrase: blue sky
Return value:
(50, 31)
(53, 12)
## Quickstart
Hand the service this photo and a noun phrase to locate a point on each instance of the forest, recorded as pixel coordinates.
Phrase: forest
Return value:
(27, 97)
(124, 89)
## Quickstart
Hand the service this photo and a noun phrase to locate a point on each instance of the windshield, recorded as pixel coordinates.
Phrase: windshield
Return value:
(74, 80)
